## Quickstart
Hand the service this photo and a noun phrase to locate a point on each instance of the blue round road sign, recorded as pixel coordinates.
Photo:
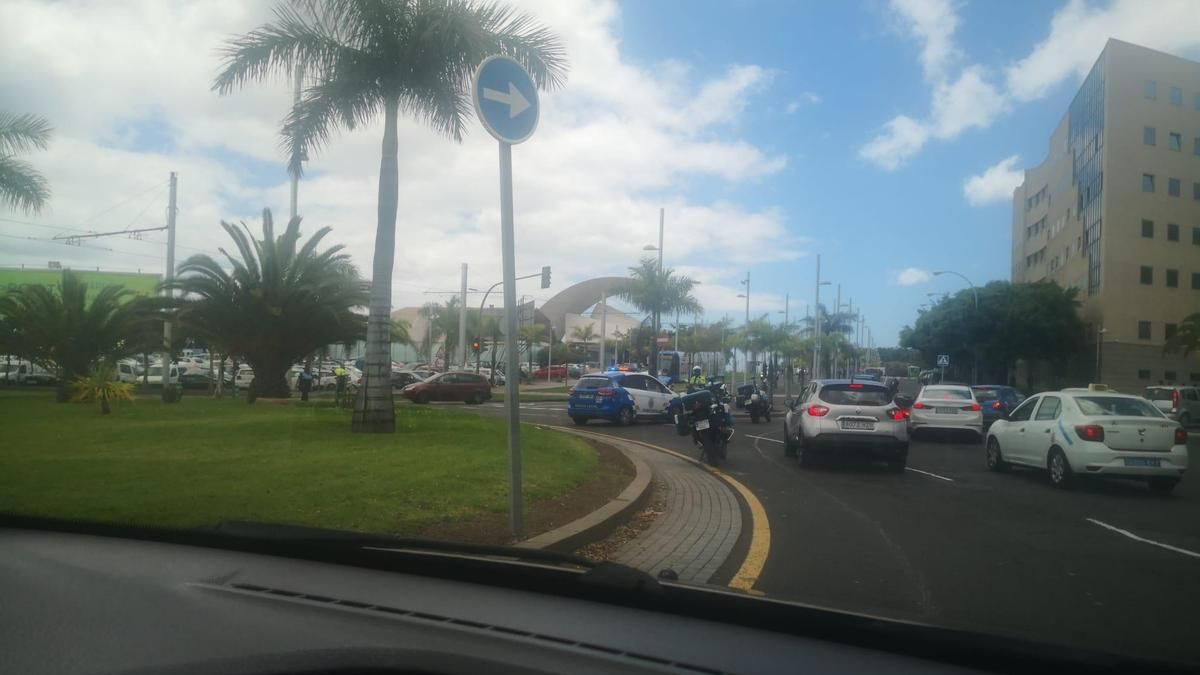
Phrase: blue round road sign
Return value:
(505, 99)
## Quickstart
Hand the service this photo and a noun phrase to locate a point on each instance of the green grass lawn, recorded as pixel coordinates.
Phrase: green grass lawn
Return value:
(203, 461)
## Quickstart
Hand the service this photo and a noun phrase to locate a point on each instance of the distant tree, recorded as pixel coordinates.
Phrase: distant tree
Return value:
(281, 301)
(101, 384)
(1187, 336)
(400, 332)
(21, 186)
(659, 292)
(60, 329)
(530, 335)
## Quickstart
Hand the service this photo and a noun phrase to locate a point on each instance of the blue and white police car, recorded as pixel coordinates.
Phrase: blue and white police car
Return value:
(619, 396)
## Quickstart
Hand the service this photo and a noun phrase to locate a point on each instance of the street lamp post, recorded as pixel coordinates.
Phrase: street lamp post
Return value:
(1099, 333)
(974, 348)
(816, 374)
(746, 282)
(787, 370)
(655, 323)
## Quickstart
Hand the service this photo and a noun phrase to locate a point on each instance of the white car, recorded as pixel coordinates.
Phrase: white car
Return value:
(244, 377)
(1080, 432)
(951, 407)
(154, 374)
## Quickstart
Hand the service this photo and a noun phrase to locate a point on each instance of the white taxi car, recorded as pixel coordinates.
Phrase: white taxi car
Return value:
(1093, 431)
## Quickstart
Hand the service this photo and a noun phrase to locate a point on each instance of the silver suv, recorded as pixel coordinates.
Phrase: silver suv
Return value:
(1181, 404)
(843, 417)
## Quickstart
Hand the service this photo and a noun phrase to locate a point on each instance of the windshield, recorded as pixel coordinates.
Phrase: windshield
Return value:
(914, 196)
(1116, 406)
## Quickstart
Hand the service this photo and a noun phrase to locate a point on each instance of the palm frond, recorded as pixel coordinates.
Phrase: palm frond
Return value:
(21, 186)
(22, 133)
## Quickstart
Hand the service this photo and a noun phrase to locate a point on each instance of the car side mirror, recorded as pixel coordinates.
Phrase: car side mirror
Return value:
(791, 404)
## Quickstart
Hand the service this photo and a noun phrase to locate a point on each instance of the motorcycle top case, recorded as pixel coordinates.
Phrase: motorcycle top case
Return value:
(744, 390)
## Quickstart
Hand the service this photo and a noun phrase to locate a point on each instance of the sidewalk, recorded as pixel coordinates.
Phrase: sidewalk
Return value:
(700, 524)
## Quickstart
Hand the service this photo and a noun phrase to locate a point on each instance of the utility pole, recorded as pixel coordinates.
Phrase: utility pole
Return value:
(837, 310)
(787, 374)
(816, 374)
(168, 277)
(746, 281)
(296, 174)
(462, 320)
(603, 328)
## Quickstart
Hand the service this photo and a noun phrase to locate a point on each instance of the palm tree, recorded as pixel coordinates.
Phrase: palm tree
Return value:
(101, 384)
(1187, 337)
(659, 292)
(21, 186)
(585, 334)
(59, 329)
(282, 300)
(530, 335)
(401, 332)
(366, 58)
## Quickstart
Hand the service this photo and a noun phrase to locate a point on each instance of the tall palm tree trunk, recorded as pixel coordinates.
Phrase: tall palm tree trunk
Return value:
(374, 410)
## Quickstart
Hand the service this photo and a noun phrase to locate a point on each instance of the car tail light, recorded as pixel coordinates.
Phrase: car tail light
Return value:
(606, 392)
(897, 414)
(1175, 399)
(919, 406)
(1090, 432)
(1181, 436)
(974, 407)
(818, 410)
(571, 391)
(855, 385)
(997, 405)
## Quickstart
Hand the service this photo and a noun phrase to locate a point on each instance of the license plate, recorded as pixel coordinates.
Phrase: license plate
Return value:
(946, 411)
(701, 425)
(858, 425)
(586, 397)
(1143, 461)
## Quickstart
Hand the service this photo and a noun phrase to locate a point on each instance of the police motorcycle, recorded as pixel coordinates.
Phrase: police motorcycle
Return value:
(704, 413)
(755, 400)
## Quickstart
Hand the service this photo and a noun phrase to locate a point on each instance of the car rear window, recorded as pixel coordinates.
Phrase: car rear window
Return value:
(947, 393)
(1158, 393)
(986, 393)
(855, 394)
(593, 383)
(1096, 406)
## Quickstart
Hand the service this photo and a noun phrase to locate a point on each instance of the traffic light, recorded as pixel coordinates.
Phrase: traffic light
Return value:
(546, 277)
(475, 345)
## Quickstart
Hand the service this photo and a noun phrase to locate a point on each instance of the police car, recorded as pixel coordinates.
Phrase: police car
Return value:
(618, 396)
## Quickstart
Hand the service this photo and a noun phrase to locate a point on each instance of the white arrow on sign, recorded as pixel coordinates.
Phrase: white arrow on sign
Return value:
(516, 103)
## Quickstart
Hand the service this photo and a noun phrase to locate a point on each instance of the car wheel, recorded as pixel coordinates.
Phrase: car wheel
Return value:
(808, 454)
(626, 418)
(896, 463)
(767, 415)
(422, 398)
(474, 399)
(1060, 469)
(579, 421)
(995, 460)
(1162, 486)
(789, 448)
(753, 418)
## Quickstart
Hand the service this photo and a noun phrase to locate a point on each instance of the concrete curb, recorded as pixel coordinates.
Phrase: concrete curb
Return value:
(601, 522)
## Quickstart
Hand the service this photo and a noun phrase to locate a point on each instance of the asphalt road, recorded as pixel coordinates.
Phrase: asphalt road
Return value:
(1107, 565)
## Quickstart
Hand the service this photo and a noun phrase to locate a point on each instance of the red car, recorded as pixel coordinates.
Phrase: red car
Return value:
(453, 386)
(554, 373)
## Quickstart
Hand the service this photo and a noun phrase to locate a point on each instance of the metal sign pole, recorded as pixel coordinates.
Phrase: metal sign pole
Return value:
(511, 382)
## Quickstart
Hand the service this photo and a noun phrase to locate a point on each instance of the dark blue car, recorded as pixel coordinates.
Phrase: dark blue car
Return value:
(996, 400)
(618, 396)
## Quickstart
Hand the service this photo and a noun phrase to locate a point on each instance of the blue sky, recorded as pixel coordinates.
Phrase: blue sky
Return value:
(884, 135)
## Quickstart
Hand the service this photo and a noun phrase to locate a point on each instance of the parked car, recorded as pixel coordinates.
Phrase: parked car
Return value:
(424, 373)
(25, 372)
(949, 407)
(456, 385)
(128, 371)
(549, 372)
(1091, 432)
(1181, 404)
(154, 375)
(846, 417)
(245, 375)
(996, 400)
(402, 378)
(620, 397)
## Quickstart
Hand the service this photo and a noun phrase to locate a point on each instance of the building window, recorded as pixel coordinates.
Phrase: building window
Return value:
(1169, 330)
(1172, 232)
(1176, 96)
(1147, 275)
(1149, 136)
(1196, 146)
(1150, 89)
(1143, 330)
(1143, 374)
(1147, 182)
(1196, 281)
(1196, 236)
(1174, 141)
(1169, 376)
(1172, 278)
(1148, 228)
(1173, 187)
(1196, 191)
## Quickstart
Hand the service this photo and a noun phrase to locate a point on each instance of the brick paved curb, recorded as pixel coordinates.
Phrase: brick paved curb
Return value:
(599, 523)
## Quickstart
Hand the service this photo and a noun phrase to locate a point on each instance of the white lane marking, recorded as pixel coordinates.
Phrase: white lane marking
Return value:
(927, 473)
(764, 438)
(1144, 540)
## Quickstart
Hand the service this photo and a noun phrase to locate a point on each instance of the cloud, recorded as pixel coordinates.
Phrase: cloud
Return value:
(1077, 34)
(1079, 31)
(615, 144)
(805, 98)
(995, 185)
(912, 276)
(932, 23)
